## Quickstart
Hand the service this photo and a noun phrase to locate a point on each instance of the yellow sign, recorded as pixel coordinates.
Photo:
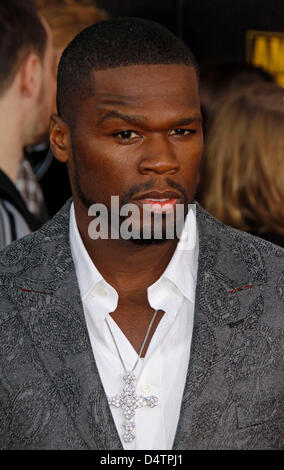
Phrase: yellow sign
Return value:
(266, 49)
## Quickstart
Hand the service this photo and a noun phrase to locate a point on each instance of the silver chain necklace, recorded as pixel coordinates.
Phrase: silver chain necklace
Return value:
(128, 400)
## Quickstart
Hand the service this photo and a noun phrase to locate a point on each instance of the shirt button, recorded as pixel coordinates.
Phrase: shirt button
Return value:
(146, 389)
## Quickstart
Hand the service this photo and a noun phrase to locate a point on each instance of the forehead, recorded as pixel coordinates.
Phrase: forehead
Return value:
(145, 87)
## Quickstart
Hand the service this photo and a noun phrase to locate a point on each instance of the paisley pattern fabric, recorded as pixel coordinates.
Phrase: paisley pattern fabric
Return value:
(51, 395)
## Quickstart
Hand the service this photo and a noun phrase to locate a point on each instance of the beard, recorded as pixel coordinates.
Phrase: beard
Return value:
(138, 229)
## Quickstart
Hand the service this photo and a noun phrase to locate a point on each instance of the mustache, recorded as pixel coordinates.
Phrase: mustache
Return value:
(152, 184)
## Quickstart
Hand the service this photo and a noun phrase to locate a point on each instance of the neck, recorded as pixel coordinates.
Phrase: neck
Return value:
(121, 261)
(128, 267)
(11, 145)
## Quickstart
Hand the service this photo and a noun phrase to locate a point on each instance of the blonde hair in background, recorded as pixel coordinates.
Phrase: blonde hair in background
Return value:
(242, 173)
(68, 17)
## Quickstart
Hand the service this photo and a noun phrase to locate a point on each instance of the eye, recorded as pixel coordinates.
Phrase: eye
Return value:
(126, 135)
(182, 132)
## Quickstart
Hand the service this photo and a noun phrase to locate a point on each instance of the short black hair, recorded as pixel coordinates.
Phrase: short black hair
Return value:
(21, 32)
(116, 42)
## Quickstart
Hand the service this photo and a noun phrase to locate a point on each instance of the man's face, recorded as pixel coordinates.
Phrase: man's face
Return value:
(139, 137)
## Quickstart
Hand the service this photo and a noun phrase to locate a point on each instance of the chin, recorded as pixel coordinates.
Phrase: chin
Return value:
(147, 241)
(152, 238)
(40, 138)
(43, 137)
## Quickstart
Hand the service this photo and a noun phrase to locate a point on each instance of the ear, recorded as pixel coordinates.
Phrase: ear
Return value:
(31, 76)
(59, 137)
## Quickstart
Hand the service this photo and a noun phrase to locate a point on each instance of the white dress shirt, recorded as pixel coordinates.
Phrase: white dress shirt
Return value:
(162, 371)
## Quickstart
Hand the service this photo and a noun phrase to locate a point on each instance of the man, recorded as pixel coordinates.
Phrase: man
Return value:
(66, 19)
(137, 342)
(27, 99)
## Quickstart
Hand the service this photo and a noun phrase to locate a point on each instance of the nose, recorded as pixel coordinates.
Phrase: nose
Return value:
(158, 157)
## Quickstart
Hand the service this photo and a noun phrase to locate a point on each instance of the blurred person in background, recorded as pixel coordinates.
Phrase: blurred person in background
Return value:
(27, 98)
(218, 80)
(242, 173)
(66, 18)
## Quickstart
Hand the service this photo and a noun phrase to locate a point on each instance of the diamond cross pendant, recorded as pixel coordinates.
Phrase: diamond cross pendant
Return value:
(128, 401)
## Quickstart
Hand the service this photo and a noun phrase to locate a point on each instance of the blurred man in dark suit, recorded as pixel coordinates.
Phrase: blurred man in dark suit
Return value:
(27, 99)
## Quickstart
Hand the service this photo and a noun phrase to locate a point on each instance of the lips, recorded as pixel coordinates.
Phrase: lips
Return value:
(156, 201)
(159, 195)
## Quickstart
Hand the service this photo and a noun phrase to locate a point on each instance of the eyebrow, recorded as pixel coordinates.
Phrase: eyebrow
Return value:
(186, 121)
(124, 117)
(138, 119)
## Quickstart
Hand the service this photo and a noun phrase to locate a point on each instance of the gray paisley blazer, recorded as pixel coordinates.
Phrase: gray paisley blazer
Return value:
(51, 395)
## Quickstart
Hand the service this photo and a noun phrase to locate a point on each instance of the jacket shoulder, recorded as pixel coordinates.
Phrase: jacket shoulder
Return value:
(239, 258)
(209, 226)
(18, 253)
(39, 261)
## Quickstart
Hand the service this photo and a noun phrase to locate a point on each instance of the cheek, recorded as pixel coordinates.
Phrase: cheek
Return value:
(197, 146)
(194, 156)
(105, 155)
(102, 165)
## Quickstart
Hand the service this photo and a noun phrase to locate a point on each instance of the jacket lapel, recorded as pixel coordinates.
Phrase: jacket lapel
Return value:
(226, 287)
(50, 306)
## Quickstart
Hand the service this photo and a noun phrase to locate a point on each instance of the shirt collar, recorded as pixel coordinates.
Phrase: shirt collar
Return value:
(87, 274)
(179, 276)
(181, 272)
